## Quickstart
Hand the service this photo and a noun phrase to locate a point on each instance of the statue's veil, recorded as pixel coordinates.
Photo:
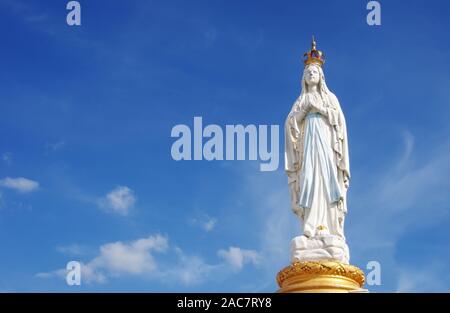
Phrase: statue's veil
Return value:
(324, 92)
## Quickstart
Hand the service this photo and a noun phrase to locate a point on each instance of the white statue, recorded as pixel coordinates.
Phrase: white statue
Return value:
(317, 166)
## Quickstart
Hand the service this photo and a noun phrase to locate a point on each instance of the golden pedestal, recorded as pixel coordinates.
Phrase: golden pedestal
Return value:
(320, 276)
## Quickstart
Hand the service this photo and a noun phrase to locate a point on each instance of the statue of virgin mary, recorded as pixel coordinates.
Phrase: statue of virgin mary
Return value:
(317, 166)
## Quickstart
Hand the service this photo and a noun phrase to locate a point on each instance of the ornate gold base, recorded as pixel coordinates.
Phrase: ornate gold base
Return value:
(320, 276)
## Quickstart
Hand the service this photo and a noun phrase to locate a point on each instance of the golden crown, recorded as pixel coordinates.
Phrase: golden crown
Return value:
(314, 56)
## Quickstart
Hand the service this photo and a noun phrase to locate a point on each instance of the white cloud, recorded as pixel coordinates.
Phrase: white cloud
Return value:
(119, 258)
(73, 249)
(137, 258)
(89, 275)
(134, 258)
(237, 257)
(272, 218)
(54, 146)
(408, 140)
(7, 158)
(206, 223)
(190, 270)
(429, 278)
(26, 11)
(193, 270)
(209, 224)
(410, 193)
(20, 184)
(406, 193)
(45, 275)
(119, 200)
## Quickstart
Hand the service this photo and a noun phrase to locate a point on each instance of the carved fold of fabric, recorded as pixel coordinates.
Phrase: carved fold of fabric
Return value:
(290, 156)
(293, 140)
(333, 117)
(318, 163)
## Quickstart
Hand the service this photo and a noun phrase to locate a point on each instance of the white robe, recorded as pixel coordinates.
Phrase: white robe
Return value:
(316, 161)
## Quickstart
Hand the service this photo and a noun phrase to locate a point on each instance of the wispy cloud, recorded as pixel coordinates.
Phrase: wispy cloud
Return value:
(431, 278)
(129, 258)
(206, 222)
(209, 224)
(403, 187)
(237, 257)
(73, 250)
(7, 157)
(190, 270)
(411, 192)
(2, 201)
(26, 11)
(273, 221)
(194, 270)
(138, 258)
(120, 200)
(54, 146)
(20, 184)
(119, 258)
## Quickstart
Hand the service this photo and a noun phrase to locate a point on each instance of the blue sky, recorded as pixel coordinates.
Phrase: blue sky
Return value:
(86, 114)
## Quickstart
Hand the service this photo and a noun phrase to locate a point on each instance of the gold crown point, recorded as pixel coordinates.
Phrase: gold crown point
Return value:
(313, 56)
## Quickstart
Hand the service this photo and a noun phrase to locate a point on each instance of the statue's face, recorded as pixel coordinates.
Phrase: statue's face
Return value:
(312, 75)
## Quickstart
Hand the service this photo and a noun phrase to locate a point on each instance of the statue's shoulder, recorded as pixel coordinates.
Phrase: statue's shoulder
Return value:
(334, 101)
(333, 98)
